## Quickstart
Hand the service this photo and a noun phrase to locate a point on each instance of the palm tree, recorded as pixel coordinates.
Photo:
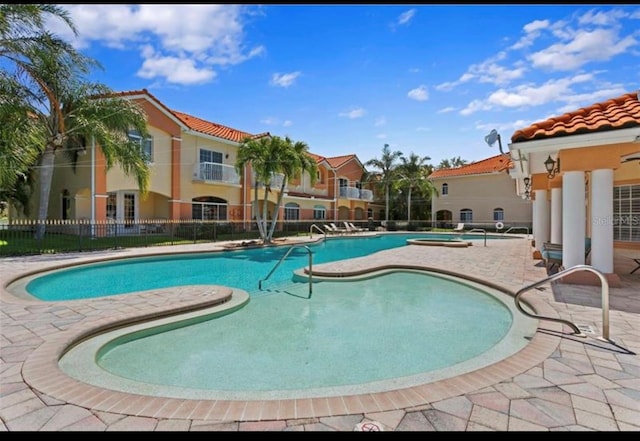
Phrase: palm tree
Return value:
(269, 157)
(454, 162)
(21, 27)
(67, 111)
(386, 164)
(412, 174)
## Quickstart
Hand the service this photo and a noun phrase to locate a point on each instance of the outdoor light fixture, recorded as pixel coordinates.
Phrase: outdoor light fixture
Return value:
(527, 187)
(491, 139)
(552, 167)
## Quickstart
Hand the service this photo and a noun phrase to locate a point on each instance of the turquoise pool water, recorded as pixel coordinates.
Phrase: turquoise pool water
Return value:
(241, 269)
(381, 332)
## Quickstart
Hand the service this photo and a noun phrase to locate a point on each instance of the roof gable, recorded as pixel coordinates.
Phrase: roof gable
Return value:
(616, 113)
(495, 164)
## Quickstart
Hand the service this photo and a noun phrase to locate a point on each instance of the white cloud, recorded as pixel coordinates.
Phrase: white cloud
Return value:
(353, 113)
(381, 136)
(406, 17)
(381, 121)
(287, 123)
(585, 47)
(447, 110)
(173, 69)
(284, 80)
(420, 93)
(532, 31)
(270, 121)
(206, 35)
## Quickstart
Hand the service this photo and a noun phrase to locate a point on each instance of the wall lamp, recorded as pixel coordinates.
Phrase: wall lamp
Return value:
(527, 187)
(552, 167)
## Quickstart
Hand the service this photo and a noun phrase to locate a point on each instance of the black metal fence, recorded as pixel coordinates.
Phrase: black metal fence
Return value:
(20, 237)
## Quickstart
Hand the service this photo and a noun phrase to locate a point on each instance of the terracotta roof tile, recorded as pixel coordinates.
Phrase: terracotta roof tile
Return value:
(337, 161)
(615, 113)
(213, 129)
(490, 165)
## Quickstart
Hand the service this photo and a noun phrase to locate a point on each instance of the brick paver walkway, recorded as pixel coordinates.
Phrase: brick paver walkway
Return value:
(558, 382)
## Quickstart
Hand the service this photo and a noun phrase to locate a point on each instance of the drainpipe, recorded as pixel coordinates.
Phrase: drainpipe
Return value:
(93, 186)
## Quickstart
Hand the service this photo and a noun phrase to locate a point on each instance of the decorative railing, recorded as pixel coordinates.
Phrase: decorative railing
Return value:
(356, 193)
(215, 172)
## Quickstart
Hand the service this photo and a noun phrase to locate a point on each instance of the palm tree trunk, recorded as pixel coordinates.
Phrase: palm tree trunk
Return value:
(265, 215)
(409, 206)
(386, 215)
(45, 175)
(257, 212)
(277, 209)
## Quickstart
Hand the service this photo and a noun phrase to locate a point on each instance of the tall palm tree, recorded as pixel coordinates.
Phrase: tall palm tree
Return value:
(22, 26)
(67, 111)
(412, 174)
(386, 164)
(269, 157)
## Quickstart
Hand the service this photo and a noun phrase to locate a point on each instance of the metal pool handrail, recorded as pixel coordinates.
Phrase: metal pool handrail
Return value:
(560, 274)
(480, 230)
(317, 228)
(284, 257)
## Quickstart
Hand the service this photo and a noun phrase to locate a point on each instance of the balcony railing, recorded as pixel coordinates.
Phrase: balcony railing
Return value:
(276, 181)
(356, 193)
(215, 172)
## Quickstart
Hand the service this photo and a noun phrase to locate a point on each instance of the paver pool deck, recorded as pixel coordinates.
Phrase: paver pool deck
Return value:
(557, 382)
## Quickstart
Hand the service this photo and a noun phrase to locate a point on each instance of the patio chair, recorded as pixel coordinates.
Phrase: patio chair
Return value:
(337, 229)
(329, 229)
(459, 228)
(552, 253)
(354, 228)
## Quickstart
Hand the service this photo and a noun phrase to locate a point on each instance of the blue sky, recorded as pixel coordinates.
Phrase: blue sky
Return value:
(426, 79)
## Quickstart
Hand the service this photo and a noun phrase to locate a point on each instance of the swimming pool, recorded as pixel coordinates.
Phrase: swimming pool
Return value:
(378, 332)
(239, 268)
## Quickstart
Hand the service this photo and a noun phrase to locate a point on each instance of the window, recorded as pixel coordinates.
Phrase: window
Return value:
(66, 204)
(111, 205)
(319, 176)
(147, 144)
(209, 208)
(210, 165)
(626, 213)
(319, 212)
(445, 189)
(291, 211)
(466, 215)
(498, 214)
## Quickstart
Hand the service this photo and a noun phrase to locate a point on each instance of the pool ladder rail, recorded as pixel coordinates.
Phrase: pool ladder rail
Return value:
(576, 330)
(284, 257)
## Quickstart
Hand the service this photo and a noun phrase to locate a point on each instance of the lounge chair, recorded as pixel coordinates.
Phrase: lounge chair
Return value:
(337, 229)
(459, 228)
(354, 228)
(329, 229)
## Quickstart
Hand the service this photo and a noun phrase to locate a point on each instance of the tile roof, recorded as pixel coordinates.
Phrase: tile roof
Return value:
(494, 164)
(616, 113)
(198, 124)
(213, 129)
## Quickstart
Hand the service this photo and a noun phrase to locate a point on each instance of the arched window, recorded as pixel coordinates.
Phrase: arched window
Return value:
(498, 214)
(445, 189)
(66, 204)
(319, 212)
(291, 211)
(466, 215)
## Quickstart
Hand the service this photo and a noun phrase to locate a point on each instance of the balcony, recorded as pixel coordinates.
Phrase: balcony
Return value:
(356, 193)
(276, 181)
(215, 172)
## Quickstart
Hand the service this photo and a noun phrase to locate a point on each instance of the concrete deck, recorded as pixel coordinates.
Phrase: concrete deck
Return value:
(558, 382)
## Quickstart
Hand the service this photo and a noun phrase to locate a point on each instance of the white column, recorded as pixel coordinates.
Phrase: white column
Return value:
(540, 219)
(602, 220)
(573, 218)
(556, 215)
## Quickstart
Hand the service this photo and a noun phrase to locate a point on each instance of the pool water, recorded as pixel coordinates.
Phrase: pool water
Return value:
(390, 330)
(241, 268)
